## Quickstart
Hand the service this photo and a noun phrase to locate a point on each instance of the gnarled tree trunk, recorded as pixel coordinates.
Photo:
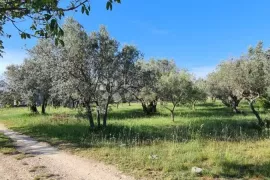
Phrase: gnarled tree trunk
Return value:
(172, 115)
(89, 115)
(152, 107)
(251, 105)
(43, 106)
(33, 108)
(149, 109)
(235, 103)
(145, 109)
(98, 114)
(105, 115)
(213, 99)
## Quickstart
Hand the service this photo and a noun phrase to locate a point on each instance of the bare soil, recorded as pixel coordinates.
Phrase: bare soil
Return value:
(39, 160)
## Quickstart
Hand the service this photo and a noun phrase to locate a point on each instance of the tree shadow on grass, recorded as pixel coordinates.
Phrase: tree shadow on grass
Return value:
(139, 135)
(5, 142)
(124, 114)
(218, 112)
(139, 114)
(235, 170)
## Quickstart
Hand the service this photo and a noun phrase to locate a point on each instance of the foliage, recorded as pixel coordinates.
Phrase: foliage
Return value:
(31, 80)
(223, 82)
(144, 82)
(142, 86)
(43, 15)
(175, 88)
(263, 103)
(5, 95)
(246, 77)
(92, 69)
(198, 92)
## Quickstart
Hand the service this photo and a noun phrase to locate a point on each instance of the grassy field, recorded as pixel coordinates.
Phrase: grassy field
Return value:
(225, 145)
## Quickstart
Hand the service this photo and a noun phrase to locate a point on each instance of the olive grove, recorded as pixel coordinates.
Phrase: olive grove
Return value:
(93, 71)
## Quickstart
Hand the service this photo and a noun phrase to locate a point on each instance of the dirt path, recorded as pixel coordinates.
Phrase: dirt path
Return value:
(42, 161)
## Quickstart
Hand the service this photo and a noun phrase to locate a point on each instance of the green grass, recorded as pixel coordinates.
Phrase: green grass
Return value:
(225, 145)
(6, 145)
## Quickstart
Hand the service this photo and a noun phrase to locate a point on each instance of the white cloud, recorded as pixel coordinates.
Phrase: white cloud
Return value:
(202, 71)
(11, 57)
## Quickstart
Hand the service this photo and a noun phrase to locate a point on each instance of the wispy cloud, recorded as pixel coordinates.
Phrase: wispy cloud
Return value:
(202, 71)
(151, 28)
(159, 31)
(11, 57)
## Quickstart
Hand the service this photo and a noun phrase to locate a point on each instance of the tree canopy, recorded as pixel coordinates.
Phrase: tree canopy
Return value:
(244, 78)
(44, 16)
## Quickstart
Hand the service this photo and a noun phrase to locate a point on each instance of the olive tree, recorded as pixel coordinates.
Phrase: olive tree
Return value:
(246, 77)
(75, 66)
(95, 67)
(144, 85)
(7, 96)
(197, 93)
(253, 79)
(175, 88)
(43, 57)
(22, 80)
(223, 82)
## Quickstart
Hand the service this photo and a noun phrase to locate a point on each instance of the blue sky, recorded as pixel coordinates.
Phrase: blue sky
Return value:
(196, 34)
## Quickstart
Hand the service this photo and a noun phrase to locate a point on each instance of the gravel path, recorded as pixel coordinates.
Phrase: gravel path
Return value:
(42, 161)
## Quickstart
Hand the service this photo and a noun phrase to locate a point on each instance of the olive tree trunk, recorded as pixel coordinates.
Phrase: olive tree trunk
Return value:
(251, 105)
(172, 115)
(150, 109)
(171, 111)
(145, 109)
(234, 103)
(98, 114)
(234, 107)
(43, 106)
(193, 105)
(105, 115)
(89, 115)
(33, 108)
